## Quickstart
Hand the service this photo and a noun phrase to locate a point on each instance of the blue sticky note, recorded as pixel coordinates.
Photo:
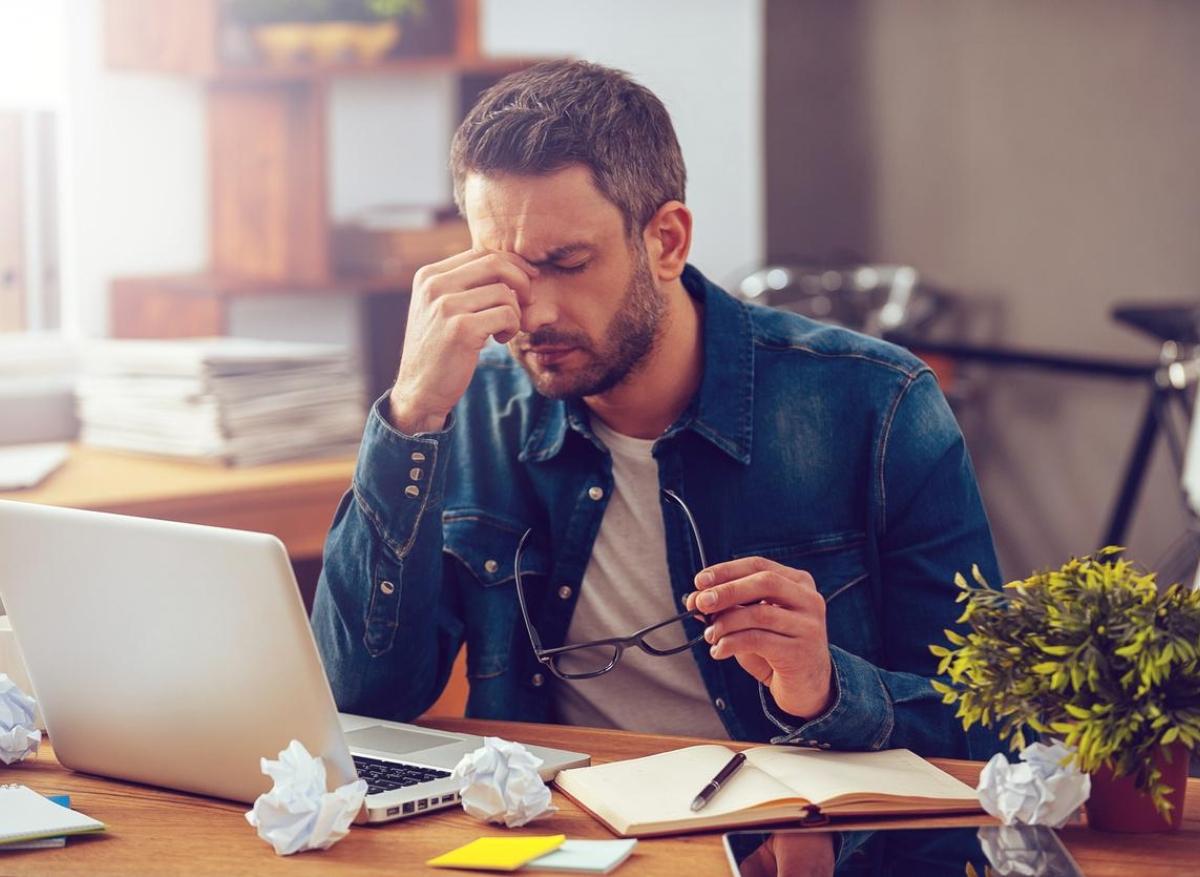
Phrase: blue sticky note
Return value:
(585, 856)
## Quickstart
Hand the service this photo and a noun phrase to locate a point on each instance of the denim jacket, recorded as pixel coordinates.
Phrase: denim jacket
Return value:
(810, 445)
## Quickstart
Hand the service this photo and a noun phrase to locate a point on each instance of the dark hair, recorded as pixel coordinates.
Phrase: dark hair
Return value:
(560, 113)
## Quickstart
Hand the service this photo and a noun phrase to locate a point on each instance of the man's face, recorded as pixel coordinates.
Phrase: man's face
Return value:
(595, 309)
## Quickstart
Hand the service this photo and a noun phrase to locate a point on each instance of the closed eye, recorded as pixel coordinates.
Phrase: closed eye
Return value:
(570, 269)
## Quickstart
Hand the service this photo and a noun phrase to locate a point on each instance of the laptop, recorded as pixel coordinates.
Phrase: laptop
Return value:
(180, 655)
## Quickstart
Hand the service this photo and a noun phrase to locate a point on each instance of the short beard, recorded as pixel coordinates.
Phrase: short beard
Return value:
(631, 336)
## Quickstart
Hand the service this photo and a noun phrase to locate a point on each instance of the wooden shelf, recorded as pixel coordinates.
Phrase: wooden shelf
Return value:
(268, 152)
(232, 75)
(242, 287)
(197, 305)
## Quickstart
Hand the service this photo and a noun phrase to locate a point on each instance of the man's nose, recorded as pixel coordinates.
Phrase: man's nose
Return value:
(540, 307)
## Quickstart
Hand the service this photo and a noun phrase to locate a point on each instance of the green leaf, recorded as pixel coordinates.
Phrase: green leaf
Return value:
(1056, 650)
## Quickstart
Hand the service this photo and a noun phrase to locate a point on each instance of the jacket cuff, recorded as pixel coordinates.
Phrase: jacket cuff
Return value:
(861, 717)
(402, 474)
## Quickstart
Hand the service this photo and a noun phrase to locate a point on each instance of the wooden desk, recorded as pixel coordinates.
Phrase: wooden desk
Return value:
(294, 501)
(157, 832)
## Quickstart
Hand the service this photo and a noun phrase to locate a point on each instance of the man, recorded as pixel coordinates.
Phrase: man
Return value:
(827, 481)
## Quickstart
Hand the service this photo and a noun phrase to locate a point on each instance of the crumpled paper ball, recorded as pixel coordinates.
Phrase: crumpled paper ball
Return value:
(19, 736)
(1038, 790)
(298, 814)
(499, 783)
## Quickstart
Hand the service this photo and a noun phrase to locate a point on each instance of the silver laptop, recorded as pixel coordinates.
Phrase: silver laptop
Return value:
(179, 655)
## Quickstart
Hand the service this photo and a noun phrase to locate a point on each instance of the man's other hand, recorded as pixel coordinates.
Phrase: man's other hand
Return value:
(771, 618)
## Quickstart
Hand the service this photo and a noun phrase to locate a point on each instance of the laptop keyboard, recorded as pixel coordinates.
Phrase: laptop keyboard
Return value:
(384, 776)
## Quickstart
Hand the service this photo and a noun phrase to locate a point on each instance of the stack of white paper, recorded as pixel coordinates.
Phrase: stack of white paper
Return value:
(236, 400)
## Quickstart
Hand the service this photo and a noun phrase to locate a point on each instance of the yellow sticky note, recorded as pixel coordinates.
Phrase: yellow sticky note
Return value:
(498, 853)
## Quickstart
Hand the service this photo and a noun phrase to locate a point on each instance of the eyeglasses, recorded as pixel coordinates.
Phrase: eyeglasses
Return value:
(595, 658)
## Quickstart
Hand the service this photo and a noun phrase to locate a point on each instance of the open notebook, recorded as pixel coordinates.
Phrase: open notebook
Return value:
(26, 815)
(652, 795)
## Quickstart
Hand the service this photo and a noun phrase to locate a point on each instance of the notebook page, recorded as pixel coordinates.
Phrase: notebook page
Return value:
(26, 814)
(823, 776)
(660, 788)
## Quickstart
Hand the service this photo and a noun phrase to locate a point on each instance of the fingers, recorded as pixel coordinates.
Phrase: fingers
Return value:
(741, 567)
(427, 271)
(478, 299)
(474, 329)
(760, 616)
(485, 268)
(792, 589)
(763, 646)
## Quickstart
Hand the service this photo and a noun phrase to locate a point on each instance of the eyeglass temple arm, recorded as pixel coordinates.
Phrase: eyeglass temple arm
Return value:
(533, 634)
(674, 497)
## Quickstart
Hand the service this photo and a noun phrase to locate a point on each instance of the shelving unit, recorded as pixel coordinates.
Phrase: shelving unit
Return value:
(268, 135)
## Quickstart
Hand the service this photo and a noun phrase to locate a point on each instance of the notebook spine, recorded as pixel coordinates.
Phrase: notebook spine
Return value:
(813, 817)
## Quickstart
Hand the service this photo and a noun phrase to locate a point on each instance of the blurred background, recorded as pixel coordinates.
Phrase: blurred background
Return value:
(985, 181)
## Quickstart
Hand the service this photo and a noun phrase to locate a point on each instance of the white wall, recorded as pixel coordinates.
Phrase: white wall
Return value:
(135, 180)
(389, 142)
(703, 58)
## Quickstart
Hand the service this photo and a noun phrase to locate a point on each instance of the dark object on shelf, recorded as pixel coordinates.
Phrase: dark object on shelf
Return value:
(1174, 322)
(372, 250)
(874, 299)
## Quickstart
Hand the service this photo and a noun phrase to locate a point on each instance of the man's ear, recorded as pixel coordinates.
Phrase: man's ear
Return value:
(668, 239)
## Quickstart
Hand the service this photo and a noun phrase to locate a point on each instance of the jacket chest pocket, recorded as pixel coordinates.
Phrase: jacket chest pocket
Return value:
(485, 547)
(838, 565)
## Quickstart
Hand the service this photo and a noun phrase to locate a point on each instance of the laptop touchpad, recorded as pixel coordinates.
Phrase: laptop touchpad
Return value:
(396, 740)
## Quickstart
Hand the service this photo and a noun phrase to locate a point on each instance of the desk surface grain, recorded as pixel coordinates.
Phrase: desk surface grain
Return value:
(151, 831)
(294, 501)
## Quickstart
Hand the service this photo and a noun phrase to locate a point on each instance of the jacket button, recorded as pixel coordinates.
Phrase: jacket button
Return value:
(596, 493)
(415, 473)
(538, 680)
(418, 457)
(412, 490)
(719, 703)
(491, 565)
(564, 593)
(387, 587)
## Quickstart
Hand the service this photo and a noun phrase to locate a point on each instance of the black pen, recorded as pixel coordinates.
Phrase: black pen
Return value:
(706, 794)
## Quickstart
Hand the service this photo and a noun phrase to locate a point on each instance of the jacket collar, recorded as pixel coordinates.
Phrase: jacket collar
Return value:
(722, 411)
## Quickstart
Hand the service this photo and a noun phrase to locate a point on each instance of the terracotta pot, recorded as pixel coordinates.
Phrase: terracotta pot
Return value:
(1116, 805)
(371, 42)
(327, 42)
(331, 41)
(283, 43)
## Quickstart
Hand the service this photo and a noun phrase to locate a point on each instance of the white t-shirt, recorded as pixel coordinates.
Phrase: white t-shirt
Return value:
(626, 587)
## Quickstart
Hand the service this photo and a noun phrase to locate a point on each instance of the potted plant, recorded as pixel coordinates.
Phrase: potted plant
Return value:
(324, 31)
(1094, 653)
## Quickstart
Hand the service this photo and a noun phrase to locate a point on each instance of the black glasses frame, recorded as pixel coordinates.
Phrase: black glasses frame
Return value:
(549, 657)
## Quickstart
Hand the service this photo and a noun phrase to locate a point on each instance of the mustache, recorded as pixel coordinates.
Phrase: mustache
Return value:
(548, 337)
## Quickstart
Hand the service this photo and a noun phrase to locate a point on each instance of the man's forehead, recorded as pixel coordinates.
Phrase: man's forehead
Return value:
(540, 217)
